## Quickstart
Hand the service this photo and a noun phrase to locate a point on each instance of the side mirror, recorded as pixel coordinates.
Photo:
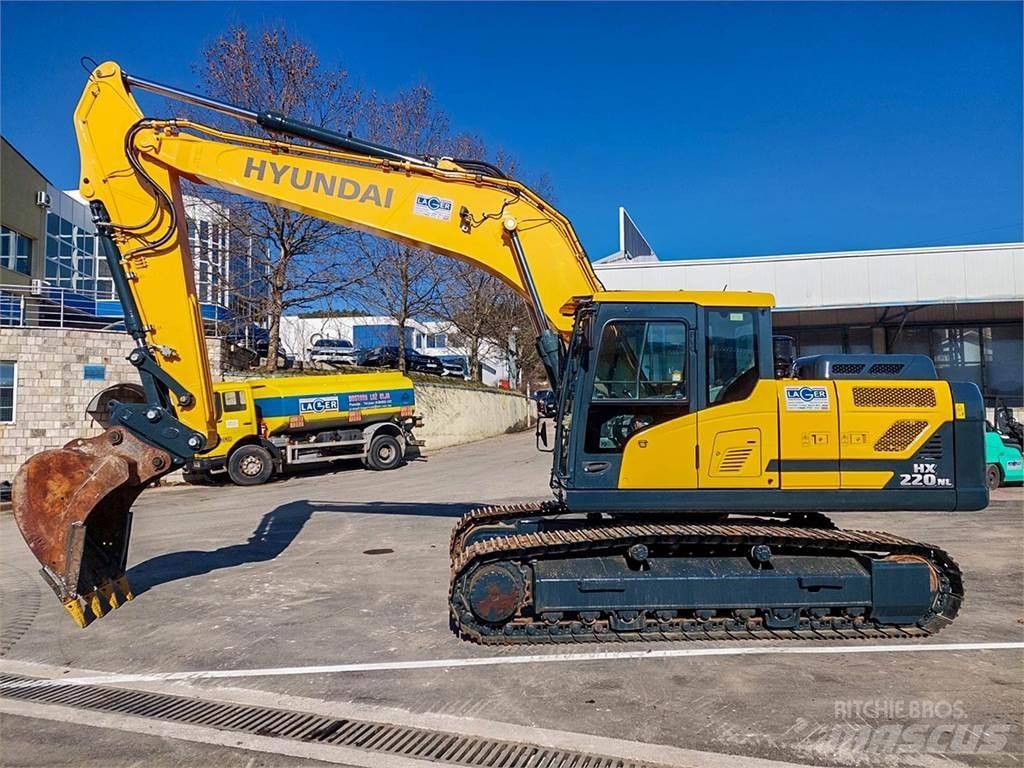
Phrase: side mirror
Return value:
(542, 435)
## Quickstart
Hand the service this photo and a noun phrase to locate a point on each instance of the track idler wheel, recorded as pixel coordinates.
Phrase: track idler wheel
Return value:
(495, 592)
(73, 508)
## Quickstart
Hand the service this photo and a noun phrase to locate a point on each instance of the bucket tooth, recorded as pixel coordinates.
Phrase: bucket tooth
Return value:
(109, 594)
(74, 608)
(125, 588)
(95, 603)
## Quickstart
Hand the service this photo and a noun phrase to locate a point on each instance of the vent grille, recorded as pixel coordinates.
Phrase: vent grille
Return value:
(894, 397)
(735, 459)
(887, 369)
(384, 738)
(847, 369)
(900, 436)
(932, 449)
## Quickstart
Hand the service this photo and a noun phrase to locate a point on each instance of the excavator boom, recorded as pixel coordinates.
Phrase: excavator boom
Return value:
(73, 504)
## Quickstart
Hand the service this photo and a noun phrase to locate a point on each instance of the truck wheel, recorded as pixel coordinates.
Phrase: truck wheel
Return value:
(250, 465)
(385, 452)
(993, 477)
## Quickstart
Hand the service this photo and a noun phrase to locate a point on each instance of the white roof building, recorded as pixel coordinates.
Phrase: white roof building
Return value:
(903, 276)
(962, 305)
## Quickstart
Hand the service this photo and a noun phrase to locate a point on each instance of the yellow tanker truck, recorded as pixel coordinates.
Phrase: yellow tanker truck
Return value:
(269, 425)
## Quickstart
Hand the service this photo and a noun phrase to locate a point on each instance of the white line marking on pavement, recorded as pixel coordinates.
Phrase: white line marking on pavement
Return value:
(487, 661)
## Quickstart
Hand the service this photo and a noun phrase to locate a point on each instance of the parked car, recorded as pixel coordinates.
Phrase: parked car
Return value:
(547, 406)
(454, 366)
(333, 352)
(387, 357)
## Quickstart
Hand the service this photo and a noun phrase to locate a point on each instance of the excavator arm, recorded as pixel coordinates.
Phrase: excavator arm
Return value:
(73, 504)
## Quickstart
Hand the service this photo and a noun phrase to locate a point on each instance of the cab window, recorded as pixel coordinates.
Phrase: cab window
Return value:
(731, 355)
(234, 401)
(639, 381)
(641, 360)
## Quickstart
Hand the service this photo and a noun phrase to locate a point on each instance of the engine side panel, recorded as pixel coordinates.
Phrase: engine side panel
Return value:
(839, 445)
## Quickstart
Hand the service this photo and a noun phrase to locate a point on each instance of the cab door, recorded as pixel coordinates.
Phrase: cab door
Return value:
(635, 400)
(738, 421)
(237, 414)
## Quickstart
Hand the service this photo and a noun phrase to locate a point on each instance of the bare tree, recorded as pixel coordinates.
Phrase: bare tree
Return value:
(408, 282)
(470, 298)
(295, 259)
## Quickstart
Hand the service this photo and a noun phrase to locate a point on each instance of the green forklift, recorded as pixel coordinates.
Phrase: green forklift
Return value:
(1004, 442)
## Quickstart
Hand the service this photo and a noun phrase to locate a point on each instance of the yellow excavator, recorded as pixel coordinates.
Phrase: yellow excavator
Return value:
(690, 484)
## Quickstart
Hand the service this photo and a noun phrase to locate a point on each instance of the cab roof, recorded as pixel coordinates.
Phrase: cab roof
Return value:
(730, 299)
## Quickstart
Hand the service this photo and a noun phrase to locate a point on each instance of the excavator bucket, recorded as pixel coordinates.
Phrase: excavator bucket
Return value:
(73, 507)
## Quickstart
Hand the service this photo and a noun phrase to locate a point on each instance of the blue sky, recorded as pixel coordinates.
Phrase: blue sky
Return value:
(725, 129)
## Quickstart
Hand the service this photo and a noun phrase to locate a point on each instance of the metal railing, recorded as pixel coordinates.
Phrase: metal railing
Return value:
(46, 306)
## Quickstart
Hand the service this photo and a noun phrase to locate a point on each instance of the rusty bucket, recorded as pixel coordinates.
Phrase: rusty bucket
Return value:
(73, 507)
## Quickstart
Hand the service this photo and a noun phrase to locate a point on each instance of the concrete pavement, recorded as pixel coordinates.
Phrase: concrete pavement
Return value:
(351, 567)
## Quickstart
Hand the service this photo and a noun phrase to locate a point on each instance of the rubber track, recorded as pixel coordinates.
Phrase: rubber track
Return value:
(509, 512)
(607, 537)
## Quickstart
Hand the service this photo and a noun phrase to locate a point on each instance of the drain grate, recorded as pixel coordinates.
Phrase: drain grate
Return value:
(419, 743)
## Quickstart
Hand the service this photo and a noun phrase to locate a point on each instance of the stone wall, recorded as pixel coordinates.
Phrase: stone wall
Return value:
(453, 415)
(52, 393)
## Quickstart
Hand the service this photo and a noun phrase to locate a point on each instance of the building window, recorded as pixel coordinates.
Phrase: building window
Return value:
(15, 251)
(436, 341)
(210, 249)
(1002, 364)
(956, 353)
(856, 340)
(8, 382)
(820, 341)
(859, 341)
(989, 356)
(72, 261)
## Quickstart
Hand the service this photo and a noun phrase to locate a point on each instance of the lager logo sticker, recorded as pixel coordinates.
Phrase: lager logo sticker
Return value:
(318, 404)
(807, 399)
(432, 207)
